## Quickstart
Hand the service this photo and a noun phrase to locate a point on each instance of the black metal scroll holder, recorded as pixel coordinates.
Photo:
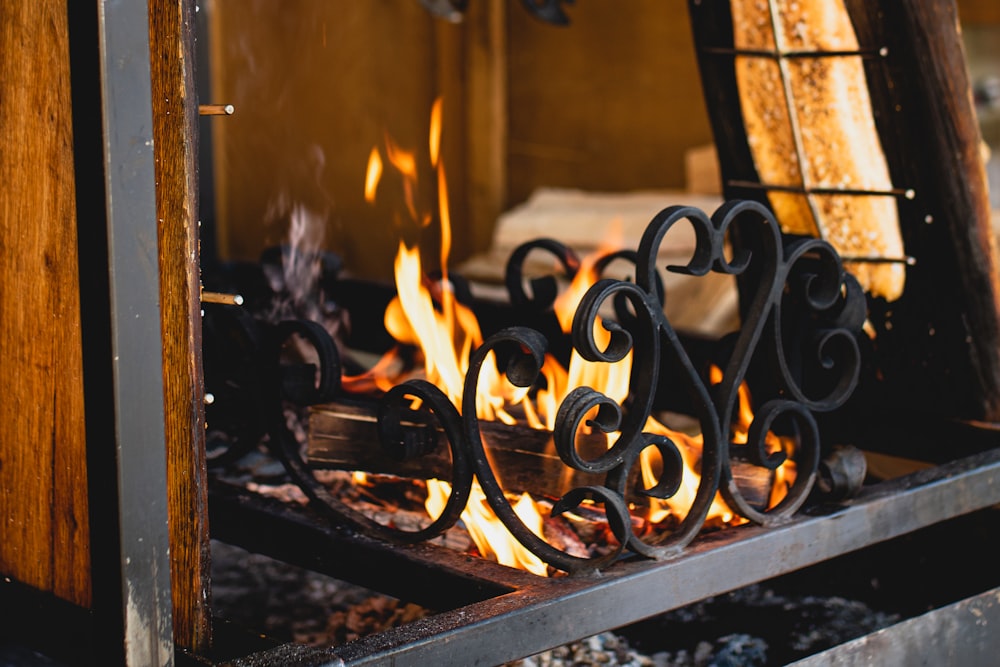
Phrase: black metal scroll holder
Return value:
(812, 357)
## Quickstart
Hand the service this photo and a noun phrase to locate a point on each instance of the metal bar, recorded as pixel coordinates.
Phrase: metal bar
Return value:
(123, 382)
(908, 193)
(429, 574)
(562, 610)
(908, 261)
(792, 55)
(963, 633)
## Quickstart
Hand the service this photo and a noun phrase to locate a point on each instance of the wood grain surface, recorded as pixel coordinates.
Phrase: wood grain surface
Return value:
(44, 535)
(175, 109)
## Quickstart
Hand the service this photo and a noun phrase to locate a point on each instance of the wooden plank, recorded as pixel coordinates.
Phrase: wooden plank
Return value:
(939, 345)
(44, 540)
(175, 109)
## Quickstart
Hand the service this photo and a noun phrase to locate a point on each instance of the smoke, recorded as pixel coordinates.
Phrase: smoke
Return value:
(297, 269)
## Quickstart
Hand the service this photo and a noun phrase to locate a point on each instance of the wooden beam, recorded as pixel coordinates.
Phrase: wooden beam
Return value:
(175, 117)
(45, 539)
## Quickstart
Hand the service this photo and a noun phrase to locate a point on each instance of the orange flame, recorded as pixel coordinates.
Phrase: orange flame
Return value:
(373, 175)
(488, 533)
(434, 142)
(406, 164)
(426, 315)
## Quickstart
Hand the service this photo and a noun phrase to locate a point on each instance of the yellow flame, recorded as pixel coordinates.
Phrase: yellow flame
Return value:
(488, 533)
(373, 175)
(412, 318)
(427, 315)
(435, 132)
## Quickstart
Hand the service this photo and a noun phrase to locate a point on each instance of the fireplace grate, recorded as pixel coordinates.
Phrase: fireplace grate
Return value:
(504, 614)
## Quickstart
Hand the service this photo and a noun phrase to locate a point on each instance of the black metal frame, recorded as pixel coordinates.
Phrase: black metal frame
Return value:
(521, 614)
(801, 326)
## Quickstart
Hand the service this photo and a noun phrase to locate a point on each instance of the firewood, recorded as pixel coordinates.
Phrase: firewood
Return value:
(343, 436)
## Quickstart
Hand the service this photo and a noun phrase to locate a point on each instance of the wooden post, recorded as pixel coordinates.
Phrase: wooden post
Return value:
(175, 117)
(44, 538)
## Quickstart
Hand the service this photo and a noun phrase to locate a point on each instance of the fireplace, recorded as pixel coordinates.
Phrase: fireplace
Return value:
(794, 297)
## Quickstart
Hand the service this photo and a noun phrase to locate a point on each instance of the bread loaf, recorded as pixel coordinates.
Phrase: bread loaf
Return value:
(817, 108)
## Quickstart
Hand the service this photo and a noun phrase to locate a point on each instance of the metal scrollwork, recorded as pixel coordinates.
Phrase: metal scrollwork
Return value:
(543, 289)
(828, 314)
(802, 318)
(527, 351)
(649, 336)
(408, 433)
(404, 432)
(641, 341)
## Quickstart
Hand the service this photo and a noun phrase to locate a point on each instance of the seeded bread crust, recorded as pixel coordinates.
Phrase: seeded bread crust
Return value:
(836, 133)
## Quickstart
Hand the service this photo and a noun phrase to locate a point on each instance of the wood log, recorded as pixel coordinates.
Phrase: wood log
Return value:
(344, 436)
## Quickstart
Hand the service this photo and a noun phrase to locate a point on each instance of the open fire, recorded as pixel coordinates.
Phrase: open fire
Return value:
(697, 469)
(426, 315)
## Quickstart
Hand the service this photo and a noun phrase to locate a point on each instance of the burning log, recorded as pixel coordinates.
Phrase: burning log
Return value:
(344, 436)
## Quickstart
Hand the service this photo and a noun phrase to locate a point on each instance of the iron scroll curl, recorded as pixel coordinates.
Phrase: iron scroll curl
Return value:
(526, 348)
(828, 317)
(394, 413)
(803, 316)
(649, 336)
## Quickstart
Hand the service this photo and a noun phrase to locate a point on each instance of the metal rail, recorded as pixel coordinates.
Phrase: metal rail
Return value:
(122, 345)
